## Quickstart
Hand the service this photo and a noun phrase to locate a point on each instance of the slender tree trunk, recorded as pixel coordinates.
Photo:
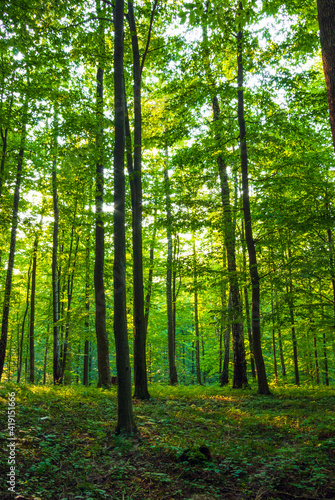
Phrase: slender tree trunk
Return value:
(326, 15)
(8, 285)
(4, 137)
(224, 376)
(171, 343)
(281, 354)
(247, 309)
(46, 357)
(240, 366)
(140, 368)
(57, 371)
(289, 291)
(10, 356)
(316, 359)
(150, 275)
(99, 285)
(70, 279)
(263, 387)
(274, 338)
(290, 295)
(325, 357)
(87, 317)
(23, 325)
(196, 316)
(332, 271)
(32, 317)
(4, 133)
(125, 422)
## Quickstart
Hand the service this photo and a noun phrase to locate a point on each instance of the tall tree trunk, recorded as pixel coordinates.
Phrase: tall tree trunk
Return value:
(125, 422)
(87, 317)
(247, 309)
(169, 262)
(290, 295)
(274, 338)
(332, 271)
(175, 290)
(57, 371)
(150, 275)
(140, 364)
(23, 325)
(99, 285)
(240, 366)
(196, 316)
(326, 15)
(10, 356)
(46, 357)
(324, 342)
(4, 137)
(8, 286)
(263, 387)
(70, 279)
(289, 291)
(224, 376)
(32, 316)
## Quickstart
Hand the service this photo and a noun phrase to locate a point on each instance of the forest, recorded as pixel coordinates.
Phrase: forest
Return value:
(167, 247)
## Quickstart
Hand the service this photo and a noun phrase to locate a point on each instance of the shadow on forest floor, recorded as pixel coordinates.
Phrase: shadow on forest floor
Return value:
(256, 447)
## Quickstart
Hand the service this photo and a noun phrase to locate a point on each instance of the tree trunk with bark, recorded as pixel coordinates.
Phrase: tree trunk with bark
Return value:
(240, 379)
(169, 262)
(99, 285)
(150, 275)
(32, 316)
(224, 375)
(135, 175)
(23, 325)
(10, 266)
(263, 387)
(125, 422)
(326, 15)
(196, 316)
(87, 317)
(57, 370)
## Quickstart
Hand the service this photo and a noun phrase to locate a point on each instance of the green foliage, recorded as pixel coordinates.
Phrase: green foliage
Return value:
(66, 447)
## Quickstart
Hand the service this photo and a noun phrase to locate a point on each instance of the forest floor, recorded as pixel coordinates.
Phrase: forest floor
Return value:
(275, 447)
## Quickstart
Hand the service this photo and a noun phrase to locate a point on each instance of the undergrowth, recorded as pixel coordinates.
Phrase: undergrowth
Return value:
(259, 447)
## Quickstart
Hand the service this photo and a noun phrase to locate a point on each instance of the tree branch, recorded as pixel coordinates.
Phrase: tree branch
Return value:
(149, 35)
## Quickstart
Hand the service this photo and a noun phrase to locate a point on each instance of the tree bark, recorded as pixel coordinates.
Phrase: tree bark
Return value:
(263, 387)
(99, 285)
(171, 341)
(150, 276)
(274, 338)
(86, 374)
(247, 309)
(140, 365)
(326, 15)
(23, 325)
(224, 376)
(240, 367)
(10, 267)
(125, 422)
(196, 317)
(67, 354)
(32, 316)
(57, 371)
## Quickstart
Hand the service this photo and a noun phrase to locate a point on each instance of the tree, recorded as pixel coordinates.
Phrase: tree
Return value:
(8, 286)
(326, 16)
(263, 387)
(125, 422)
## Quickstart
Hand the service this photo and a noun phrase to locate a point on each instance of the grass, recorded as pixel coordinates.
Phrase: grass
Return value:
(276, 447)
